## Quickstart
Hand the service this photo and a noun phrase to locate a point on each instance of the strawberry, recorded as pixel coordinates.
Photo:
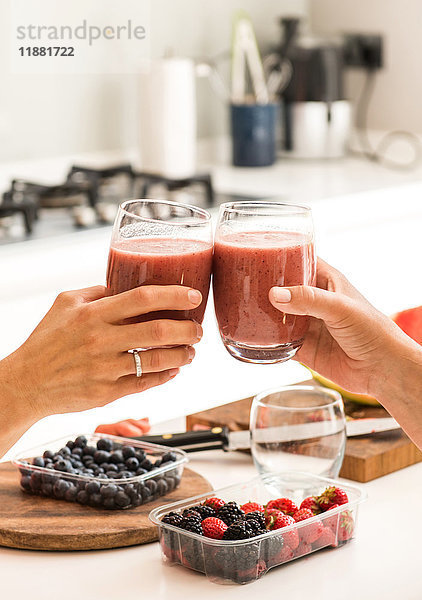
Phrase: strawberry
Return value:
(215, 503)
(312, 503)
(332, 522)
(251, 507)
(213, 528)
(311, 532)
(285, 554)
(278, 520)
(332, 495)
(287, 506)
(346, 526)
(302, 549)
(327, 538)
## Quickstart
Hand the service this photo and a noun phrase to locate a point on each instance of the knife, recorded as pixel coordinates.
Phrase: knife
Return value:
(221, 438)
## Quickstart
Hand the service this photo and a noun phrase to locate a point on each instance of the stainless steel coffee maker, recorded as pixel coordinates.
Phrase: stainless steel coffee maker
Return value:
(316, 116)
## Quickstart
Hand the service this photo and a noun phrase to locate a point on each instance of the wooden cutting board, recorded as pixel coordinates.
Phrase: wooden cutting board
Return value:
(366, 457)
(33, 523)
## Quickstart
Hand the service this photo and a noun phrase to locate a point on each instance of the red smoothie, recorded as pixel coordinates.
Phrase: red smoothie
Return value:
(161, 261)
(246, 266)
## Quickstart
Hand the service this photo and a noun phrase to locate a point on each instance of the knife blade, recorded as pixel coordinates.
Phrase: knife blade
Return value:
(221, 438)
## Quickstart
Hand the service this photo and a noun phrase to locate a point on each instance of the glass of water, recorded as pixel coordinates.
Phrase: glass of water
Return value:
(298, 428)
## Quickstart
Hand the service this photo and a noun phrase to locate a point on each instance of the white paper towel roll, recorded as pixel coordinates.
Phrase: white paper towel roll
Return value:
(168, 117)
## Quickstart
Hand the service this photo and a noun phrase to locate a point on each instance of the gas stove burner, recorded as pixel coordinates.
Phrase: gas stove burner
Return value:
(27, 208)
(51, 196)
(149, 180)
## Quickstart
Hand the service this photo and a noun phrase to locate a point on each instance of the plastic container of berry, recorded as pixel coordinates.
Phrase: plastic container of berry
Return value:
(245, 560)
(101, 471)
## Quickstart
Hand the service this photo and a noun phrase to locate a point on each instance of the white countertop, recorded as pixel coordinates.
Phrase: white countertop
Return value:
(374, 237)
(381, 563)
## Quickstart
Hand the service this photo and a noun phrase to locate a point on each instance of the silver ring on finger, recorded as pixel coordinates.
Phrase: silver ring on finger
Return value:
(138, 364)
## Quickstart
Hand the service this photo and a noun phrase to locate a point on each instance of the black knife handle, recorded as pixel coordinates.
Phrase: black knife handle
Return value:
(216, 438)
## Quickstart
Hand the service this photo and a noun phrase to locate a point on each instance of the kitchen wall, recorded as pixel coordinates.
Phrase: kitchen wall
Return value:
(396, 103)
(42, 115)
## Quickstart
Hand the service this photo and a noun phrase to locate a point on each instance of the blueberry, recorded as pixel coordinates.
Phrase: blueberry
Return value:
(121, 499)
(63, 465)
(82, 497)
(93, 487)
(87, 460)
(66, 452)
(101, 456)
(116, 457)
(98, 471)
(89, 451)
(110, 467)
(145, 493)
(121, 467)
(169, 457)
(48, 478)
(128, 452)
(109, 491)
(109, 503)
(48, 454)
(170, 483)
(47, 489)
(38, 462)
(60, 488)
(132, 463)
(140, 454)
(71, 493)
(81, 441)
(70, 444)
(95, 500)
(112, 475)
(105, 444)
(26, 482)
(141, 471)
(35, 481)
(151, 485)
(158, 463)
(162, 487)
(146, 464)
(126, 474)
(77, 451)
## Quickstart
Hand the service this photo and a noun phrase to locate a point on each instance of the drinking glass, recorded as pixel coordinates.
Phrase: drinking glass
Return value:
(157, 242)
(259, 245)
(298, 428)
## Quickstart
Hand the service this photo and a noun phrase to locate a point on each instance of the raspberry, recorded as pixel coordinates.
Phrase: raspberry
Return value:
(213, 528)
(287, 506)
(230, 512)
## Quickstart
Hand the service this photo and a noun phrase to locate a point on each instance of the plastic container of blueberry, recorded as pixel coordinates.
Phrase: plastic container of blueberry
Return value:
(101, 471)
(246, 560)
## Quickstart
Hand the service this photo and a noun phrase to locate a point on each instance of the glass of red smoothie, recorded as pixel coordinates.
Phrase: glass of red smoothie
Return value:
(259, 245)
(157, 242)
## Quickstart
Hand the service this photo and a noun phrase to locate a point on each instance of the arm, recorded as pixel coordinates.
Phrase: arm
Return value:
(77, 358)
(356, 346)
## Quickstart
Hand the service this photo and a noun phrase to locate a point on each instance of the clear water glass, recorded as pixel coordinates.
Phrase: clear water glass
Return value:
(298, 428)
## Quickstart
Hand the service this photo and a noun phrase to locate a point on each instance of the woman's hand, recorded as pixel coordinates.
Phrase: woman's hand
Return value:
(77, 358)
(356, 346)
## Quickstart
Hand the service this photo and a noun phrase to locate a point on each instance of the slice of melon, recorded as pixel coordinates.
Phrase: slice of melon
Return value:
(410, 321)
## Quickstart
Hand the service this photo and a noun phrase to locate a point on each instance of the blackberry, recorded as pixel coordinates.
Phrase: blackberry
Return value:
(256, 527)
(172, 518)
(258, 516)
(204, 511)
(239, 530)
(192, 524)
(192, 512)
(230, 512)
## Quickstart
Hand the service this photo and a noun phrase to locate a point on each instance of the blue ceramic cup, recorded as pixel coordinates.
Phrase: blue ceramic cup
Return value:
(253, 128)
